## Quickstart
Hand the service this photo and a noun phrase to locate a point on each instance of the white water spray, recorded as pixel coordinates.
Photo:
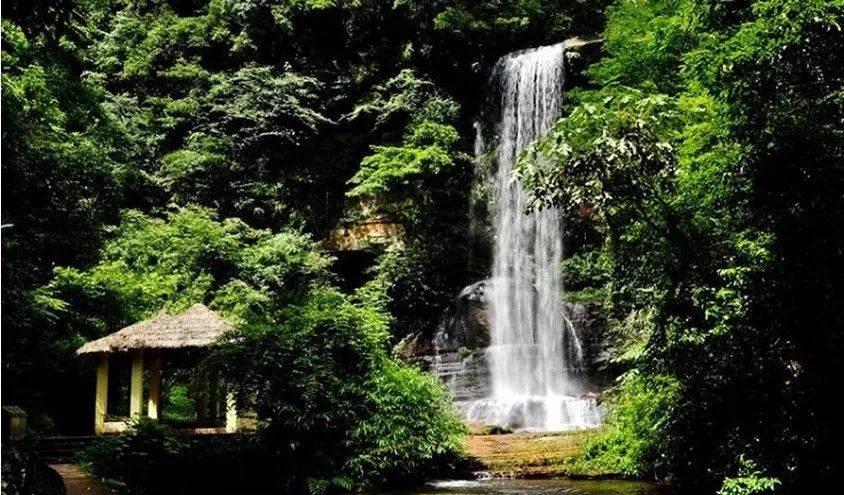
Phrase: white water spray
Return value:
(532, 346)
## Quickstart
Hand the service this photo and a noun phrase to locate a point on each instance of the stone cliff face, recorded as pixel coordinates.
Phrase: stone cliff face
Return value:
(580, 53)
(456, 350)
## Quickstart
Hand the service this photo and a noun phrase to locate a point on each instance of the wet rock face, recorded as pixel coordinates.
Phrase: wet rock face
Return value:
(466, 375)
(456, 349)
(464, 326)
(465, 323)
(590, 325)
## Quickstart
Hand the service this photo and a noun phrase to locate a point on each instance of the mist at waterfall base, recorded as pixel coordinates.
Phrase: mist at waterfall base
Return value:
(532, 346)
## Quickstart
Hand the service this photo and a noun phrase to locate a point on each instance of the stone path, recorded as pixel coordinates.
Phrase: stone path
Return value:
(78, 482)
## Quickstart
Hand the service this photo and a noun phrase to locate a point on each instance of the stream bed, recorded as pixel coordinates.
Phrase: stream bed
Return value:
(544, 487)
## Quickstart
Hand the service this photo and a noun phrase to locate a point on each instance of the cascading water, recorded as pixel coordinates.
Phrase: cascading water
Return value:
(532, 347)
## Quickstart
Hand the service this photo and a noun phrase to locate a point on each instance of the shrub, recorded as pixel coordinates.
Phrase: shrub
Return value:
(631, 442)
(150, 458)
(136, 460)
(749, 481)
(334, 408)
(412, 430)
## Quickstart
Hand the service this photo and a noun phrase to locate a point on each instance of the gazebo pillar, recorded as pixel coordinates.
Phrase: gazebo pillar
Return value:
(231, 413)
(136, 385)
(101, 400)
(154, 402)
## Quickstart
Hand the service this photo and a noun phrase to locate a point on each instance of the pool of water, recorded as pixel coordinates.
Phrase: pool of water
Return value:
(543, 487)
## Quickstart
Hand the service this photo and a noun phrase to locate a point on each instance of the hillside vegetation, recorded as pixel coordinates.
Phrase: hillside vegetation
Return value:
(160, 153)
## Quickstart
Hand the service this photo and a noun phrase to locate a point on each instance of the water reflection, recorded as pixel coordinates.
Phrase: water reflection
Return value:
(544, 487)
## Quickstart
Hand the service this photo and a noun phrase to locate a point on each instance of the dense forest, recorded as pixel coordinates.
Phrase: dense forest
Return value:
(160, 153)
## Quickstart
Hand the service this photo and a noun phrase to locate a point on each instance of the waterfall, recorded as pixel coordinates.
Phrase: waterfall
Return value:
(532, 346)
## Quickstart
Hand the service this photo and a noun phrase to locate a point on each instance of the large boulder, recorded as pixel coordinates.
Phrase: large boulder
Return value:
(456, 349)
(463, 326)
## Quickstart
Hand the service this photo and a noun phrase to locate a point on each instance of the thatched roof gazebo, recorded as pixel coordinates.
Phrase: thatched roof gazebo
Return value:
(197, 328)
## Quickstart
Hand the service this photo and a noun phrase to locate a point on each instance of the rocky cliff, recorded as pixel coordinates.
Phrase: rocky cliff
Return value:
(456, 349)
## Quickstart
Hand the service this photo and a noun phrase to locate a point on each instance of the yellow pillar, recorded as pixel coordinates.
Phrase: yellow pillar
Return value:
(153, 402)
(101, 401)
(231, 413)
(136, 385)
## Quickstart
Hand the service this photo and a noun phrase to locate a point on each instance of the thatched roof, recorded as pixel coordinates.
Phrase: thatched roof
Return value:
(196, 327)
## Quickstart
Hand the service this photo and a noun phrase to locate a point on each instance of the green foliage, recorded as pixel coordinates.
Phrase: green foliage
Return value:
(633, 442)
(415, 286)
(618, 150)
(692, 152)
(128, 461)
(749, 480)
(177, 403)
(631, 336)
(50, 142)
(189, 257)
(423, 183)
(405, 97)
(61, 185)
(210, 123)
(632, 157)
(256, 104)
(587, 276)
(474, 33)
(647, 41)
(335, 409)
(327, 342)
(501, 16)
(413, 426)
(428, 151)
(428, 148)
(151, 458)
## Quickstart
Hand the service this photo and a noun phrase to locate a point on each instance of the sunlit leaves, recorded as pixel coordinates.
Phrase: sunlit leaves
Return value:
(612, 154)
(749, 481)
(405, 434)
(153, 263)
(631, 444)
(258, 104)
(428, 151)
(405, 97)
